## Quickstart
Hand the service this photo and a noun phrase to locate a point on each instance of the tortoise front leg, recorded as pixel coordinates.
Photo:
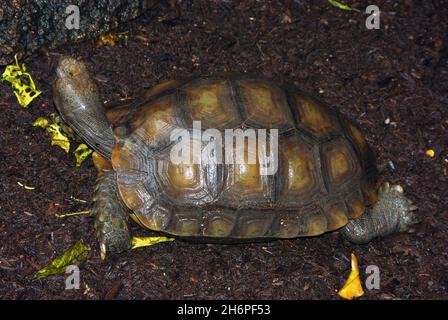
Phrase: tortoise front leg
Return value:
(111, 214)
(393, 212)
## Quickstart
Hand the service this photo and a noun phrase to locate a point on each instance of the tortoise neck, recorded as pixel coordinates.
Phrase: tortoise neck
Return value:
(77, 100)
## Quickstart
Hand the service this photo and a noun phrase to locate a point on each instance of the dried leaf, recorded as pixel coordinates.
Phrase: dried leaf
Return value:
(111, 39)
(138, 242)
(81, 153)
(339, 5)
(58, 138)
(352, 287)
(75, 254)
(23, 85)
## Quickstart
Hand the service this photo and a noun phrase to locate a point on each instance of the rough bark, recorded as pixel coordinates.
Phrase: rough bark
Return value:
(30, 25)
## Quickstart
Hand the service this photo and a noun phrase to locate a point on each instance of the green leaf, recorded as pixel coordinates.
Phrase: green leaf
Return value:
(75, 254)
(81, 153)
(339, 5)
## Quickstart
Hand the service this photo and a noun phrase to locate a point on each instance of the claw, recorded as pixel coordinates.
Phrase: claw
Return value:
(103, 251)
(385, 187)
(413, 207)
(397, 188)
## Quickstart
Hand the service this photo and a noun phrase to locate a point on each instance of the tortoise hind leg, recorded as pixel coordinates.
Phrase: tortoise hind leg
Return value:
(393, 212)
(111, 214)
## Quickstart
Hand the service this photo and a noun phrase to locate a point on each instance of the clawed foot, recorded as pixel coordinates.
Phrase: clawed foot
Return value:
(394, 197)
(111, 216)
(392, 212)
(112, 232)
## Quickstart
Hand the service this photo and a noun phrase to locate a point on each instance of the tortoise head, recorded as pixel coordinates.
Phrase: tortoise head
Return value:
(77, 100)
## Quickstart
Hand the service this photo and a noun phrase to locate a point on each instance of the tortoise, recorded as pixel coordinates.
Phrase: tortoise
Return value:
(326, 177)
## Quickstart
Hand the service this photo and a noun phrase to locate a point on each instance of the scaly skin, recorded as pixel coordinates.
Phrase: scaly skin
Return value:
(392, 213)
(77, 100)
(111, 216)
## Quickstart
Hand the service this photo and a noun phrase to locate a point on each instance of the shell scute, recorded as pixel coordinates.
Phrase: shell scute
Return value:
(326, 171)
(265, 104)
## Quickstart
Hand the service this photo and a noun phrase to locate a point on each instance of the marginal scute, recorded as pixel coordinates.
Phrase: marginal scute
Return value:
(315, 118)
(252, 225)
(135, 195)
(116, 115)
(287, 226)
(365, 154)
(336, 216)
(122, 159)
(130, 156)
(370, 192)
(219, 224)
(161, 87)
(317, 224)
(357, 137)
(135, 219)
(184, 224)
(154, 215)
(265, 104)
(355, 204)
(101, 164)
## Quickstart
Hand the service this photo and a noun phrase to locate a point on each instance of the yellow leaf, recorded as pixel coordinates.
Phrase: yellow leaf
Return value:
(58, 138)
(23, 85)
(42, 123)
(352, 287)
(339, 5)
(111, 39)
(75, 254)
(138, 242)
(81, 153)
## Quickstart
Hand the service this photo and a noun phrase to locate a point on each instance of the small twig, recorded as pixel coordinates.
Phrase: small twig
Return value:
(73, 213)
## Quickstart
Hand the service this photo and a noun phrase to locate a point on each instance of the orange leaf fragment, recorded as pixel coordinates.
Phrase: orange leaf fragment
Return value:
(352, 287)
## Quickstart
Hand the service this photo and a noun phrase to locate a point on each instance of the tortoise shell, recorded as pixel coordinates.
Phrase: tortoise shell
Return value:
(326, 171)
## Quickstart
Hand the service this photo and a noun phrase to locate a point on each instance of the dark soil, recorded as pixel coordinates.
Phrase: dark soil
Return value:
(399, 72)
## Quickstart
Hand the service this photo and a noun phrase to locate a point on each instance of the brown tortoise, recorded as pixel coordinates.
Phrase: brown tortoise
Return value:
(326, 177)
